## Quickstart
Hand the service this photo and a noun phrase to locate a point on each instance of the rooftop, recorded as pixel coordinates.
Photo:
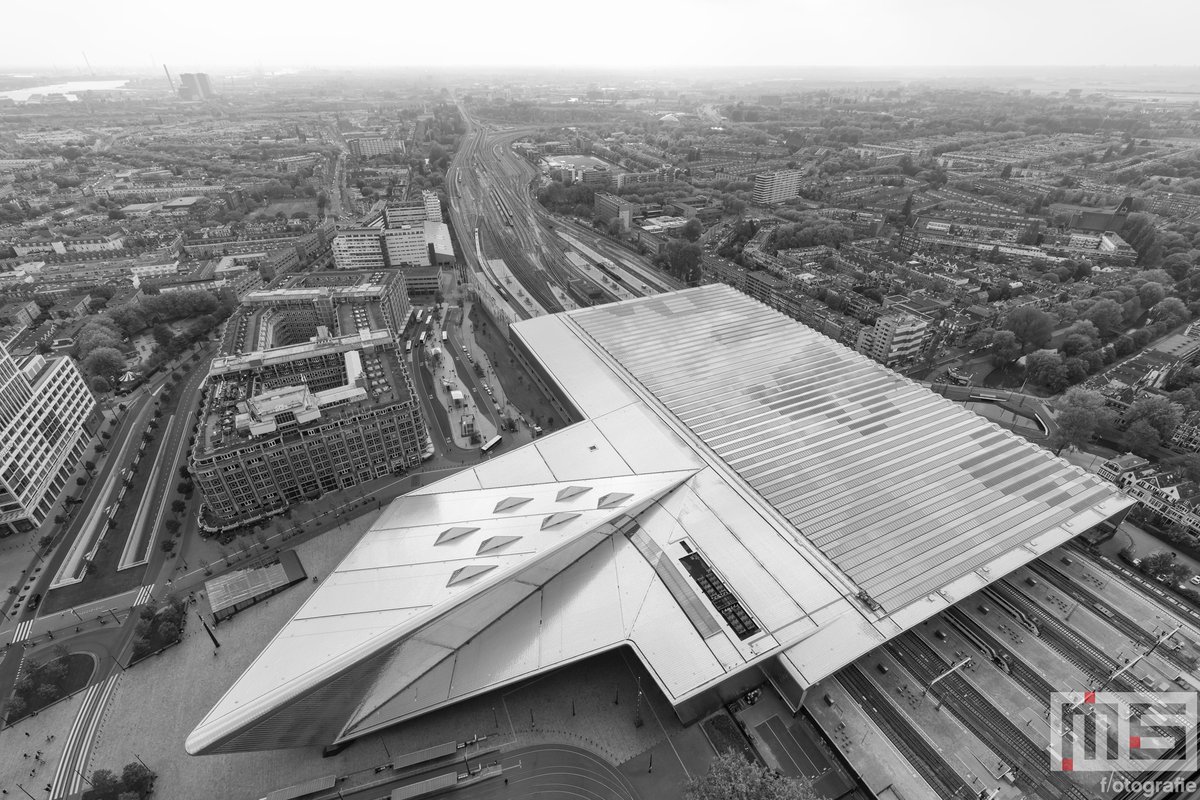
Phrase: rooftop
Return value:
(754, 491)
(265, 392)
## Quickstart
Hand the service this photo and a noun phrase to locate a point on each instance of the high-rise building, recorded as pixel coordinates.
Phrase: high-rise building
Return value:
(195, 86)
(407, 213)
(359, 248)
(775, 187)
(44, 408)
(609, 206)
(405, 246)
(433, 206)
(287, 423)
(754, 503)
(896, 338)
(404, 238)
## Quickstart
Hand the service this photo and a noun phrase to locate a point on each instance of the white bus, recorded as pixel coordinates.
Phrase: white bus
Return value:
(422, 338)
(408, 346)
(495, 440)
(445, 336)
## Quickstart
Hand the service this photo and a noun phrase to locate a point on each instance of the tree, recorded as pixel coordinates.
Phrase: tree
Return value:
(106, 362)
(1170, 310)
(178, 506)
(137, 779)
(693, 229)
(1164, 567)
(1005, 348)
(1150, 293)
(105, 786)
(1080, 413)
(1107, 316)
(1141, 438)
(100, 385)
(1158, 412)
(1032, 327)
(1047, 369)
(732, 777)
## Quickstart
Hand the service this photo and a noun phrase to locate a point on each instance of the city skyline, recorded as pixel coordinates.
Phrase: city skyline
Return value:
(928, 33)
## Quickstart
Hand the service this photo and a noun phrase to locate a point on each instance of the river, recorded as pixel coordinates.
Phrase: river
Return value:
(69, 88)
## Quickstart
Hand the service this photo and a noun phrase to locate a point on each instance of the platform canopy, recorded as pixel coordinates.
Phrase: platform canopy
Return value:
(742, 494)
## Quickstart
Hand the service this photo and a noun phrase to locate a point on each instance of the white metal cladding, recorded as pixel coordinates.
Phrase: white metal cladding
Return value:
(903, 490)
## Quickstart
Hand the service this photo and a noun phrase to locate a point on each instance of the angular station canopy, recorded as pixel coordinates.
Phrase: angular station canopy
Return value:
(743, 494)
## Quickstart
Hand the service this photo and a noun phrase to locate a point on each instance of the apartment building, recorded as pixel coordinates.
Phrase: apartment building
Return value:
(45, 407)
(433, 206)
(775, 187)
(896, 338)
(609, 206)
(359, 248)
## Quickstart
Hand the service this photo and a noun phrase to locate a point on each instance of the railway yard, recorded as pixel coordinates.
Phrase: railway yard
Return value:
(960, 706)
(534, 263)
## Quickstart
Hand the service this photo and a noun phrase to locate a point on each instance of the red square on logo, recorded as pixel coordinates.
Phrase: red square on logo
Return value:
(1068, 764)
(1135, 742)
(1089, 697)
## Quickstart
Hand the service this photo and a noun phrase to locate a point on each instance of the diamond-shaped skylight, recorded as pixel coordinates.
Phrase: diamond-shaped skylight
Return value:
(450, 534)
(613, 499)
(510, 503)
(567, 492)
(464, 574)
(493, 543)
(557, 519)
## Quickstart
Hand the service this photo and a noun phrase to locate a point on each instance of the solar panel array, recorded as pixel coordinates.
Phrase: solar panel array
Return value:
(901, 489)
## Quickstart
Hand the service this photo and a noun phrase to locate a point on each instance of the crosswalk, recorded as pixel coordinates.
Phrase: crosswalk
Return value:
(21, 632)
(145, 595)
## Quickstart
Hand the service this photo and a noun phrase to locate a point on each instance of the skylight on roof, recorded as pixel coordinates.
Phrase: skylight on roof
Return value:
(613, 499)
(567, 492)
(493, 543)
(464, 574)
(558, 519)
(509, 503)
(450, 534)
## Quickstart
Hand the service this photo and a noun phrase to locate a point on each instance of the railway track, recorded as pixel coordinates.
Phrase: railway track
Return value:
(1117, 619)
(1024, 675)
(1066, 642)
(923, 757)
(1029, 762)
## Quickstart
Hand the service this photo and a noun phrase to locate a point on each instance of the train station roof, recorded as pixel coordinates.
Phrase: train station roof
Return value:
(741, 490)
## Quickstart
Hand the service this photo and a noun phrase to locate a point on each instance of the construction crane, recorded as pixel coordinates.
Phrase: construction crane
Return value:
(170, 82)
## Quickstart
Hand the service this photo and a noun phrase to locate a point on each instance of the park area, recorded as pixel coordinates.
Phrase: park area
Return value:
(39, 685)
(289, 208)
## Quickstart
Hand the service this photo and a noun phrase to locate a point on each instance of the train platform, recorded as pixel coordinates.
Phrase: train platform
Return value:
(1013, 700)
(852, 730)
(1151, 671)
(1040, 657)
(1132, 601)
(971, 758)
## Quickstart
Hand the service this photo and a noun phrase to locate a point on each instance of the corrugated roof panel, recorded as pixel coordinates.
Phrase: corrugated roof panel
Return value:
(893, 482)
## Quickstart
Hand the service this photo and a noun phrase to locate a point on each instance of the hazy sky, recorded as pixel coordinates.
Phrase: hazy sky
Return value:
(209, 34)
